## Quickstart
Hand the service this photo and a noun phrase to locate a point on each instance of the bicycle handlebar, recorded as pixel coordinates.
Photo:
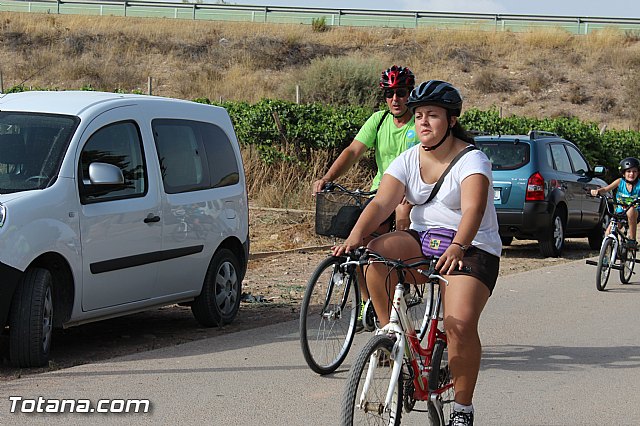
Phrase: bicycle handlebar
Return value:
(364, 256)
(332, 186)
(615, 202)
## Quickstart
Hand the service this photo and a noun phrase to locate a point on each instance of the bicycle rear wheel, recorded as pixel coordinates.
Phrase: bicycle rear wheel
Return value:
(439, 377)
(328, 316)
(628, 262)
(373, 367)
(604, 264)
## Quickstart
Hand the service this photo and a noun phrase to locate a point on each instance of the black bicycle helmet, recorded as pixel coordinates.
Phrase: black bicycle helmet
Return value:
(436, 92)
(629, 163)
(396, 76)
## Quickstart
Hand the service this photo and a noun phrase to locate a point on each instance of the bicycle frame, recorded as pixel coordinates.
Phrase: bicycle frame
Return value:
(408, 345)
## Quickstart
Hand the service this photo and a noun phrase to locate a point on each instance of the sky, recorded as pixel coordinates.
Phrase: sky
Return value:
(577, 8)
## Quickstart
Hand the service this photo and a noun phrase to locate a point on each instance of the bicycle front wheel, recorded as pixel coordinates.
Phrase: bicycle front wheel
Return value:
(363, 402)
(440, 377)
(419, 308)
(604, 264)
(328, 316)
(628, 263)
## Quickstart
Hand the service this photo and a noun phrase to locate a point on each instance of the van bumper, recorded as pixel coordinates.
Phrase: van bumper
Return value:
(10, 279)
(534, 220)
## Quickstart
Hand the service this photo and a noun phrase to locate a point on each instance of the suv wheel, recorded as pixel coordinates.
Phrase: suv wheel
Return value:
(597, 234)
(552, 244)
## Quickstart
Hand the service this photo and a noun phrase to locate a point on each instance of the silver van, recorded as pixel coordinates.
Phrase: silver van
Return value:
(112, 204)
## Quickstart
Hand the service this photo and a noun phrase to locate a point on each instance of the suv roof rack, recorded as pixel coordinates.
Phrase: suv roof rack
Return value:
(537, 134)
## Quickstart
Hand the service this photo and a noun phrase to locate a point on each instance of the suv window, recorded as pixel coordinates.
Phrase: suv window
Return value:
(119, 144)
(194, 155)
(559, 158)
(580, 166)
(505, 156)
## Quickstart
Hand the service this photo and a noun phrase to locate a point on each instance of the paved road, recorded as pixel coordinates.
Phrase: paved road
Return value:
(556, 352)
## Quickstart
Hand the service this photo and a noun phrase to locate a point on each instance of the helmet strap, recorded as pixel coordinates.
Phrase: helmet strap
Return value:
(431, 148)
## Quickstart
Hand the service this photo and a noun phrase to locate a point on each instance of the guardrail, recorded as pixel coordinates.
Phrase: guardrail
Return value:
(333, 17)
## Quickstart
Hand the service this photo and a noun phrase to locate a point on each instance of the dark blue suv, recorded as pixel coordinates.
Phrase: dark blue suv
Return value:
(541, 186)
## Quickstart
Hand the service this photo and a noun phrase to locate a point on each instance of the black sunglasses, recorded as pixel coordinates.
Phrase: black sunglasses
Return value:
(401, 93)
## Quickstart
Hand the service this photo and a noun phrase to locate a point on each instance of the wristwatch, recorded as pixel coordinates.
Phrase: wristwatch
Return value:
(462, 246)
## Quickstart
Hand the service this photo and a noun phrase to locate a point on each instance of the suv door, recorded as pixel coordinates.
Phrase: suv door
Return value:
(567, 183)
(119, 232)
(590, 205)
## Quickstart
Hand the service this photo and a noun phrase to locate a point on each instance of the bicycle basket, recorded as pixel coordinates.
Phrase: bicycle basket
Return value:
(337, 213)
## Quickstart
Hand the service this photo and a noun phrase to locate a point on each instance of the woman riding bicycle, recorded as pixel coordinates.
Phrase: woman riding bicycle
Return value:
(464, 204)
(628, 189)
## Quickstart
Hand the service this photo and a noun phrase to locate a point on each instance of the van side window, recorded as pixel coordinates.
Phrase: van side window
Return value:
(119, 144)
(194, 155)
(223, 164)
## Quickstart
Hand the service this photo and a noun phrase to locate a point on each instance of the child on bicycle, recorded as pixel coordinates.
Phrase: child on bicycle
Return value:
(627, 190)
(464, 204)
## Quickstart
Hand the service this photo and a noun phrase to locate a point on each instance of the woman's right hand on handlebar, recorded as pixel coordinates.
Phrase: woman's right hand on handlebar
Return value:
(350, 244)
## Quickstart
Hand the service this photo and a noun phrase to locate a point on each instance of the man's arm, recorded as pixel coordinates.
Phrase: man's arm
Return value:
(347, 158)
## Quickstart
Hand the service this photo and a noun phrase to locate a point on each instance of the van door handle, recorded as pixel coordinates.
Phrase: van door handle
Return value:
(151, 218)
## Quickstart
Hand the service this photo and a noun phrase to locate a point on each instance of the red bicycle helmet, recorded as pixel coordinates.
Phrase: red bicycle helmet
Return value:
(396, 76)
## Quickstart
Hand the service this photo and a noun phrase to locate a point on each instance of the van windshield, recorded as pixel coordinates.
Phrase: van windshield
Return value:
(505, 155)
(31, 149)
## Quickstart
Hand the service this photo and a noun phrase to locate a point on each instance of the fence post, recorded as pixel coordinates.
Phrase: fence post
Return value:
(194, 11)
(1, 83)
(297, 93)
(125, 7)
(58, 6)
(149, 85)
(266, 10)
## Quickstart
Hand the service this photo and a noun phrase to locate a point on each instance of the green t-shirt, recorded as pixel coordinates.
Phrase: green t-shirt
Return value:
(389, 143)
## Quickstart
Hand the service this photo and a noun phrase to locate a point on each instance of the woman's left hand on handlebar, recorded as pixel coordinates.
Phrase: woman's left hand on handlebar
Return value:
(450, 260)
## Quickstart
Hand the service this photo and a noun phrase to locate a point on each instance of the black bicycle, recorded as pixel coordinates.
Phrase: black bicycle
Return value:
(614, 251)
(332, 300)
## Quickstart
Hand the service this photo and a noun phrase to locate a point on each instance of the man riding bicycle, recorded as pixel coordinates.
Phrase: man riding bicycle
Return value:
(627, 190)
(389, 133)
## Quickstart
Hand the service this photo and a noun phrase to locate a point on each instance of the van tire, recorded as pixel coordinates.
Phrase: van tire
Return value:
(219, 301)
(31, 319)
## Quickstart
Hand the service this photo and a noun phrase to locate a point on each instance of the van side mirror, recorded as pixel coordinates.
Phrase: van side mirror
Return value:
(105, 174)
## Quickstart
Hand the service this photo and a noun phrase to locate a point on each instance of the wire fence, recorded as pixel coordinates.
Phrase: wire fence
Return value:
(330, 17)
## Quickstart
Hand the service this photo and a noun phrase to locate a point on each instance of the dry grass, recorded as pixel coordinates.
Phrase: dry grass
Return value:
(527, 73)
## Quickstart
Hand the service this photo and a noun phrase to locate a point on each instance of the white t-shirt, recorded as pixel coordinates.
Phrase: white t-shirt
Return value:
(444, 210)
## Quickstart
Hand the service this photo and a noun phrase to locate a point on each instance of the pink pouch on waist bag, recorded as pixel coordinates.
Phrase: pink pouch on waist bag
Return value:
(436, 240)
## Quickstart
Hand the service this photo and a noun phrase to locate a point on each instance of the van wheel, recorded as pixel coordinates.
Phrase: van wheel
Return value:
(219, 301)
(31, 319)
(551, 245)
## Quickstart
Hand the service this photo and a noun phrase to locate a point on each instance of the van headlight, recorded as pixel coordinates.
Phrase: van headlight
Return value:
(3, 214)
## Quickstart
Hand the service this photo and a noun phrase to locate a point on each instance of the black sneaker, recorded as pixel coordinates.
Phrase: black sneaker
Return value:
(458, 418)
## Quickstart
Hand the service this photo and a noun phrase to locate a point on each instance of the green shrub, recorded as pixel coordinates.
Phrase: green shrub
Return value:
(341, 81)
(319, 25)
